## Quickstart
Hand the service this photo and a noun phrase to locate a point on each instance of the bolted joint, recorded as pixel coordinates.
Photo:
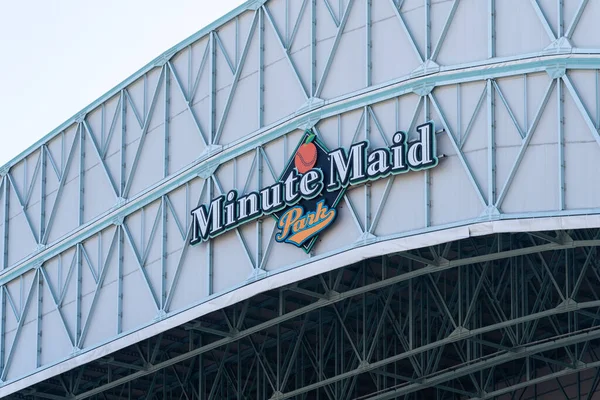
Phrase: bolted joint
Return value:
(118, 220)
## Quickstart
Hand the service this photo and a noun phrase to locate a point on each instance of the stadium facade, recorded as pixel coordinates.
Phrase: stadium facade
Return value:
(320, 199)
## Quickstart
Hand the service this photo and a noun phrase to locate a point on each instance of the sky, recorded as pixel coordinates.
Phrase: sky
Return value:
(58, 56)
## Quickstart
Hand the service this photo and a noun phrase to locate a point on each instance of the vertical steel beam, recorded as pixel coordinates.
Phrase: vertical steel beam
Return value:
(164, 255)
(427, 29)
(5, 238)
(2, 328)
(259, 222)
(369, 44)
(426, 173)
(261, 67)
(190, 76)
(43, 165)
(145, 94)
(120, 245)
(410, 311)
(212, 88)
(458, 114)
(102, 127)
(209, 244)
(237, 41)
(367, 123)
(167, 119)
(561, 143)
(561, 18)
(122, 171)
(40, 303)
(597, 101)
(78, 294)
(491, 95)
(81, 174)
(286, 39)
(492, 29)
(313, 48)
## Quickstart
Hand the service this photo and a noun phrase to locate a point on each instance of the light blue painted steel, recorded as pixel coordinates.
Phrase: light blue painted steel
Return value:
(117, 89)
(459, 152)
(269, 133)
(187, 102)
(440, 42)
(485, 92)
(336, 43)
(576, 19)
(524, 145)
(398, 13)
(561, 143)
(145, 124)
(236, 78)
(364, 216)
(491, 153)
(581, 107)
(100, 157)
(508, 109)
(286, 50)
(543, 19)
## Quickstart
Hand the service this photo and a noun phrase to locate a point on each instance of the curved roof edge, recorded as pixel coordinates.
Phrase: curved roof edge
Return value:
(163, 57)
(310, 268)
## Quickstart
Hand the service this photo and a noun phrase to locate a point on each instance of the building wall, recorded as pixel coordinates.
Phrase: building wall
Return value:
(96, 216)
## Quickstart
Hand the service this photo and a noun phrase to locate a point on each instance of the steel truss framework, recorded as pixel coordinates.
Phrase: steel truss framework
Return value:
(498, 316)
(94, 219)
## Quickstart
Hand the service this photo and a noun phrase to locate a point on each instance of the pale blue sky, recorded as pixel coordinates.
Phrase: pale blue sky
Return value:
(57, 56)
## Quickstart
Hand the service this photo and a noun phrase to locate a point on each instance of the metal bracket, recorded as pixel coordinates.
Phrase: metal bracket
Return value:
(255, 5)
(164, 58)
(557, 71)
(458, 332)
(118, 220)
(276, 395)
(160, 315)
(208, 170)
(310, 104)
(559, 46)
(366, 237)
(210, 151)
(256, 274)
(428, 67)
(491, 212)
(423, 89)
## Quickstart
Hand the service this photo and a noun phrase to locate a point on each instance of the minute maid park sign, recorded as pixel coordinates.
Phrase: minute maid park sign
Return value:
(305, 197)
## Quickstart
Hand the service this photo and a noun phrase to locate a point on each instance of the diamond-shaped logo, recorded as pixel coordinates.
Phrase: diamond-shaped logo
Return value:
(302, 223)
(305, 197)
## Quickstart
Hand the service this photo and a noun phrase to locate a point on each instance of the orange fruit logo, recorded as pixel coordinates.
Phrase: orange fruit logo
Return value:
(306, 155)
